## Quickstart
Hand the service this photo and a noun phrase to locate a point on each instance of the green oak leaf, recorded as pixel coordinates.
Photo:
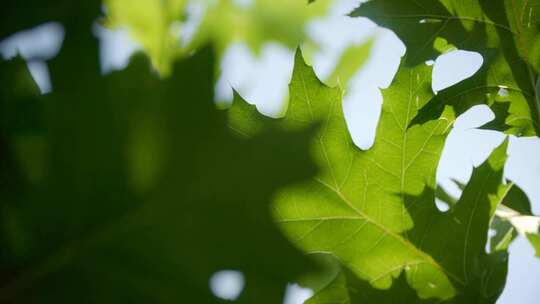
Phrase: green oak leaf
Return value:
(504, 32)
(374, 210)
(126, 188)
(337, 202)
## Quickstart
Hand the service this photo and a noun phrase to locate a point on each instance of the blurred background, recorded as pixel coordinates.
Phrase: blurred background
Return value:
(256, 41)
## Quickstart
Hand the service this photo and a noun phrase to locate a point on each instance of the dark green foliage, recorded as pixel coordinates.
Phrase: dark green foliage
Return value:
(130, 189)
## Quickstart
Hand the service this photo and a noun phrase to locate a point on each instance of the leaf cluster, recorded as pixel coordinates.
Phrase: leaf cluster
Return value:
(129, 187)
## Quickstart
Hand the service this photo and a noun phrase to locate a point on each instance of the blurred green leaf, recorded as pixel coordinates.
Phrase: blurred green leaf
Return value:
(144, 192)
(152, 24)
(161, 26)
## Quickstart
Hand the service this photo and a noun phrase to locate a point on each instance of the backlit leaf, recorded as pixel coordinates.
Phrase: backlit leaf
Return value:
(374, 210)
